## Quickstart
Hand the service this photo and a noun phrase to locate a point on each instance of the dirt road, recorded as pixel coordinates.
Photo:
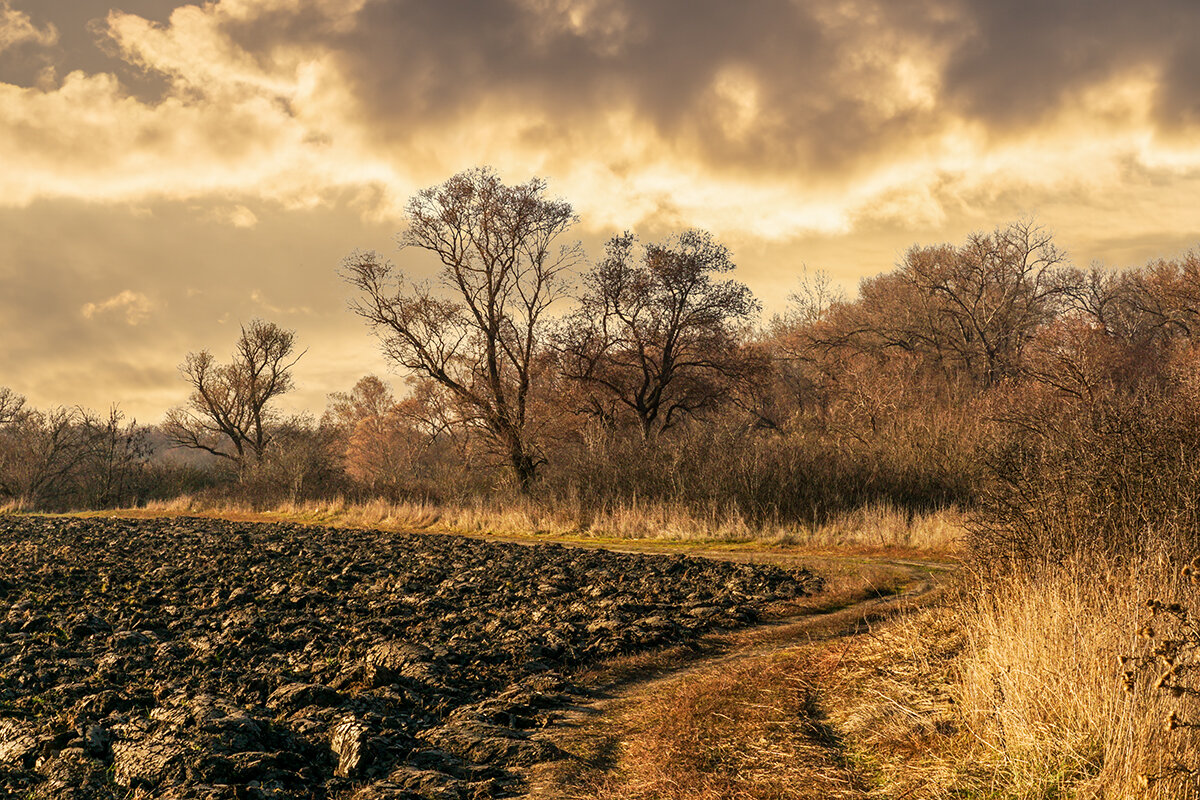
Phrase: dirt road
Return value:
(735, 716)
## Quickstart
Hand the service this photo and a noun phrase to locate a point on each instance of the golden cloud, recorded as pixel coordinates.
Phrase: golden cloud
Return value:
(249, 144)
(135, 307)
(16, 27)
(794, 118)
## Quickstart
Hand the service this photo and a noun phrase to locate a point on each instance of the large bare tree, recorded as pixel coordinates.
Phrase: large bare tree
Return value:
(229, 413)
(971, 309)
(478, 331)
(657, 334)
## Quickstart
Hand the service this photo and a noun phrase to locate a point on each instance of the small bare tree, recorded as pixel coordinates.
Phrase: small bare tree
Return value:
(11, 405)
(117, 455)
(41, 455)
(479, 336)
(229, 413)
(816, 294)
(656, 335)
(300, 461)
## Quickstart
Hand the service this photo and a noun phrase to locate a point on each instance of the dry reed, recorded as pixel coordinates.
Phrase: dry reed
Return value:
(875, 526)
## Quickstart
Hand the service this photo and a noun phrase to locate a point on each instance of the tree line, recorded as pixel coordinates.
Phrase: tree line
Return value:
(958, 377)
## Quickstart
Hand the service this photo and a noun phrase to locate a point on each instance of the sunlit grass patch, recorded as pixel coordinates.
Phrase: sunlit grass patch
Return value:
(873, 527)
(1042, 683)
(750, 729)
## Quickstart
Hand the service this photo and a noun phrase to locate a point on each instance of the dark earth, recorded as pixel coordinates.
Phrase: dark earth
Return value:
(198, 658)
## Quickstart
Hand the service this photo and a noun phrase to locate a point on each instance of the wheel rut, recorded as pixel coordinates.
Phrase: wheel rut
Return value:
(622, 740)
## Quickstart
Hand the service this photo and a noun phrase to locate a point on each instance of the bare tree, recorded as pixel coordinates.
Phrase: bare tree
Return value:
(971, 309)
(67, 457)
(11, 405)
(802, 375)
(1155, 303)
(300, 459)
(816, 294)
(655, 335)
(229, 413)
(117, 455)
(41, 455)
(479, 335)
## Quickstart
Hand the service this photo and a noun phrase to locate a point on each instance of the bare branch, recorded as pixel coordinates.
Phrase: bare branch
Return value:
(229, 413)
(480, 336)
(659, 336)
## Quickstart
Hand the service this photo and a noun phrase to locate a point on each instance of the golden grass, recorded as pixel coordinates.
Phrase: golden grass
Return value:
(873, 527)
(752, 714)
(1013, 694)
(1014, 691)
(890, 696)
(1041, 685)
(752, 730)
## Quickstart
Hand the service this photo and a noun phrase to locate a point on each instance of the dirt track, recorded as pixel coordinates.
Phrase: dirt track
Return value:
(593, 734)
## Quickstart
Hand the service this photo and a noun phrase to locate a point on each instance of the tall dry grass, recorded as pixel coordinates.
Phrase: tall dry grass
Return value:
(1092, 512)
(1040, 683)
(1018, 692)
(878, 525)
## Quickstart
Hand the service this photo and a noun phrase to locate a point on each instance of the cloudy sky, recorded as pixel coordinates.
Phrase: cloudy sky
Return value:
(170, 170)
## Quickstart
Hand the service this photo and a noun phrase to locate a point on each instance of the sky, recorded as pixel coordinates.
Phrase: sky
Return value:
(169, 170)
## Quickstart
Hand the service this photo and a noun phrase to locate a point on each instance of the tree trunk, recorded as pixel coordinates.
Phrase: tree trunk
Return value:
(524, 468)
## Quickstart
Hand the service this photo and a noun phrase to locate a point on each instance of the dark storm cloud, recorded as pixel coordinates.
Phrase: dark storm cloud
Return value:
(1179, 93)
(420, 64)
(81, 42)
(829, 95)
(824, 83)
(1024, 58)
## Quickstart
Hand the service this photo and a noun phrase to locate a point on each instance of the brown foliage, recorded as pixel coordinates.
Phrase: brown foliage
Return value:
(1099, 453)
(971, 310)
(371, 433)
(396, 448)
